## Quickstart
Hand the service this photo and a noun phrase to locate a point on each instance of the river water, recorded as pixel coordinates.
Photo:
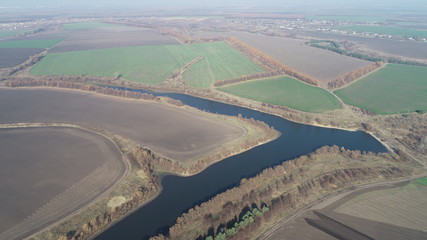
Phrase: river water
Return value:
(182, 193)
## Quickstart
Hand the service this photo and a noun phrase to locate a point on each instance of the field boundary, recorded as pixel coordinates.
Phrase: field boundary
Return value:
(176, 77)
(354, 76)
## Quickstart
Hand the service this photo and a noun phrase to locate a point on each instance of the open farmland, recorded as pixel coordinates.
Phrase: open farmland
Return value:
(219, 61)
(151, 64)
(109, 37)
(12, 33)
(10, 57)
(87, 25)
(403, 206)
(389, 47)
(351, 18)
(46, 43)
(320, 64)
(286, 91)
(391, 212)
(392, 89)
(173, 132)
(394, 31)
(49, 172)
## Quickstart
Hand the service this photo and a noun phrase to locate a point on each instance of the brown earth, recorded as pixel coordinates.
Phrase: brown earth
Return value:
(124, 36)
(50, 172)
(320, 64)
(395, 211)
(173, 132)
(10, 57)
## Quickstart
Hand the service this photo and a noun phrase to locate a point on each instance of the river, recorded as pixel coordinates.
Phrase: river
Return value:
(182, 193)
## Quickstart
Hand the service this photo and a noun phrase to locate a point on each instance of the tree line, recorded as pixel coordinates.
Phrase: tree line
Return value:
(281, 189)
(335, 47)
(350, 77)
(268, 63)
(31, 61)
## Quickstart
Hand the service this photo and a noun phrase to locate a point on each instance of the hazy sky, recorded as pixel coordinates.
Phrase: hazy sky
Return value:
(208, 3)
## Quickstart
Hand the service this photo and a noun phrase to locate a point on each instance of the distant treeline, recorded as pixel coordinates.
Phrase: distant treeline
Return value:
(335, 47)
(283, 188)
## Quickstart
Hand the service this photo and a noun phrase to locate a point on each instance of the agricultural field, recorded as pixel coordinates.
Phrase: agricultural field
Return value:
(58, 171)
(219, 62)
(392, 212)
(394, 31)
(388, 47)
(403, 206)
(176, 133)
(10, 57)
(392, 89)
(323, 65)
(286, 91)
(87, 25)
(109, 37)
(15, 52)
(45, 43)
(151, 64)
(351, 18)
(12, 33)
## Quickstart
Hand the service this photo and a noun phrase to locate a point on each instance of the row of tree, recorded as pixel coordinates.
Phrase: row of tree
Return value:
(30, 62)
(281, 188)
(144, 158)
(30, 82)
(268, 63)
(336, 48)
(350, 77)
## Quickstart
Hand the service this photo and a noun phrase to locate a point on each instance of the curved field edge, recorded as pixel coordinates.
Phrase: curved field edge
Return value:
(59, 208)
(151, 64)
(390, 90)
(286, 91)
(138, 187)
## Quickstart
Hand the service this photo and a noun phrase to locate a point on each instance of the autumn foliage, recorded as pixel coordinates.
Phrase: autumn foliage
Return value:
(350, 77)
(281, 188)
(271, 65)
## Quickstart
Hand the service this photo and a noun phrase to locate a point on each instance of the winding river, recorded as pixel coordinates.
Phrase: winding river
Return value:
(181, 193)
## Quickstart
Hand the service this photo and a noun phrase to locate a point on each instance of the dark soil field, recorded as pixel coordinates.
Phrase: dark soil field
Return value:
(321, 64)
(10, 57)
(49, 172)
(175, 133)
(395, 48)
(124, 36)
(388, 213)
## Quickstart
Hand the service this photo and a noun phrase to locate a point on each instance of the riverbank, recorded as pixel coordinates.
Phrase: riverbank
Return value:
(142, 184)
(288, 187)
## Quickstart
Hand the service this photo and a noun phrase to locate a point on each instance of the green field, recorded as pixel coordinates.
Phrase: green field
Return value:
(219, 62)
(394, 31)
(286, 91)
(422, 181)
(87, 25)
(151, 64)
(392, 89)
(30, 43)
(12, 33)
